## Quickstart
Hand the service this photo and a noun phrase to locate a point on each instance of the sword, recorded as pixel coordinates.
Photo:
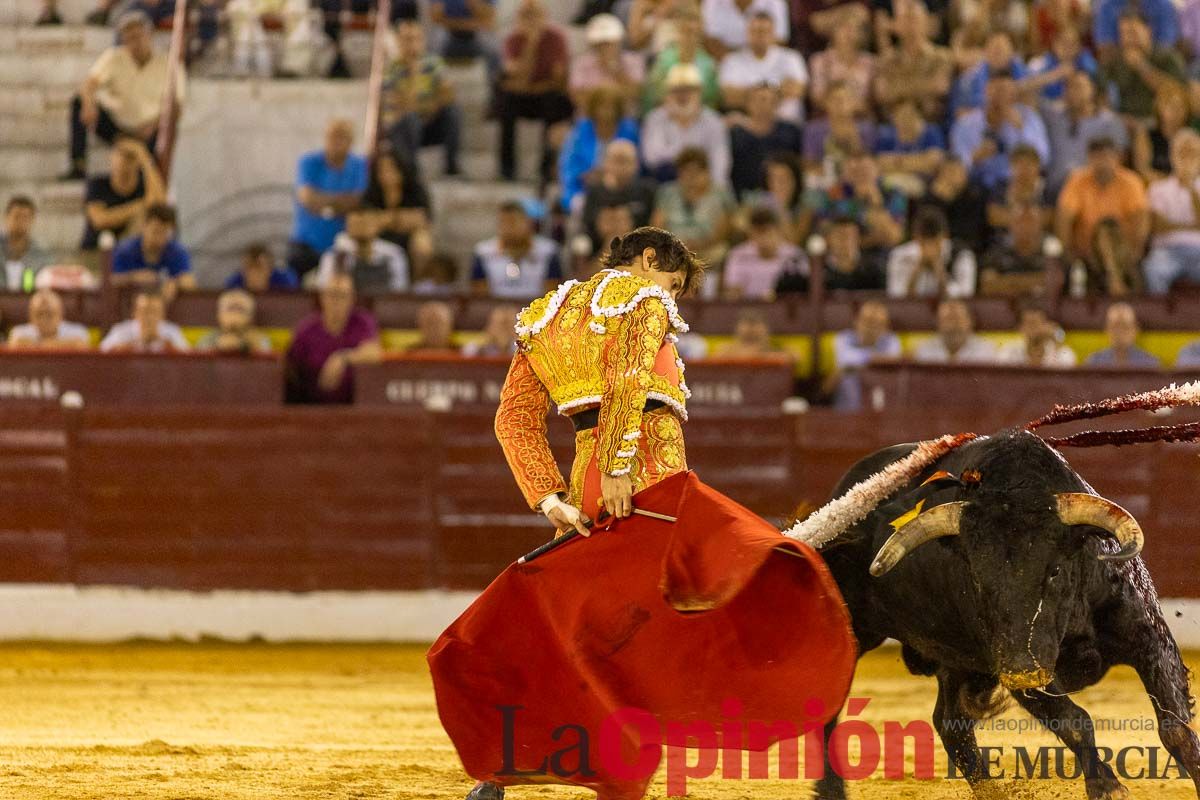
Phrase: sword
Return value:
(574, 534)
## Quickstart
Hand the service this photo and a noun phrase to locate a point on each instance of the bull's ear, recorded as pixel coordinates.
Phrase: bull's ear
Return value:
(944, 520)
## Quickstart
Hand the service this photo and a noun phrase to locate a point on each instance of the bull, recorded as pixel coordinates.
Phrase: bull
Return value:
(1010, 573)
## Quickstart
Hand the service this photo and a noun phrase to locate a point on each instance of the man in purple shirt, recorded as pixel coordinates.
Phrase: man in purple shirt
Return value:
(327, 343)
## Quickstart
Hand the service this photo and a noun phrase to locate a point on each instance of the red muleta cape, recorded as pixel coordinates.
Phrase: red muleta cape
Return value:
(670, 618)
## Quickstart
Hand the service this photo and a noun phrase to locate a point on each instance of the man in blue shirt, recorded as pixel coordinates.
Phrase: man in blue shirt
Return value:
(329, 183)
(984, 137)
(154, 257)
(259, 273)
(1121, 326)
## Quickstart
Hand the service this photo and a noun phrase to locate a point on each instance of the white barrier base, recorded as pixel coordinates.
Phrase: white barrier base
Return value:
(63, 612)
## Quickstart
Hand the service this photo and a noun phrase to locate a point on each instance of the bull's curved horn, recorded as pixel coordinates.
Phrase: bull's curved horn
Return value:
(1081, 508)
(939, 521)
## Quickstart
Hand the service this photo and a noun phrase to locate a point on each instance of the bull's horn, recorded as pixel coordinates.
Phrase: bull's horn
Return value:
(939, 521)
(1081, 508)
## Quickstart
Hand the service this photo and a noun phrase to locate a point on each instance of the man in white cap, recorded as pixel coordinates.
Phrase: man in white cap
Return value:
(122, 94)
(605, 64)
(682, 121)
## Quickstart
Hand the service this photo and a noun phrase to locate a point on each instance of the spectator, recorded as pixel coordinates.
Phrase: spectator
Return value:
(612, 221)
(764, 61)
(847, 266)
(683, 122)
(931, 265)
(1189, 25)
(435, 330)
(603, 122)
(260, 274)
(418, 108)
(21, 255)
(402, 207)
(870, 339)
(842, 131)
(754, 266)
(1052, 17)
(751, 340)
(915, 69)
(47, 328)
(1024, 188)
(695, 208)
(783, 192)
(327, 345)
(148, 331)
(516, 263)
(687, 49)
(984, 137)
(910, 149)
(123, 93)
(155, 257)
(1049, 72)
(618, 183)
(376, 265)
(1015, 265)
(963, 203)
(533, 85)
(329, 183)
(998, 58)
(605, 65)
(1152, 144)
(1158, 16)
(844, 62)
(1103, 218)
(435, 276)
(1040, 344)
(1175, 218)
(757, 134)
(955, 342)
(1121, 328)
(1136, 72)
(861, 196)
(727, 23)
(465, 29)
(1074, 123)
(117, 202)
(499, 338)
(234, 332)
(252, 52)
(653, 24)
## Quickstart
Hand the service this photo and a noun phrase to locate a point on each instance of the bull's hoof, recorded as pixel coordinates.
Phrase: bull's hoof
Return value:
(486, 791)
(1106, 789)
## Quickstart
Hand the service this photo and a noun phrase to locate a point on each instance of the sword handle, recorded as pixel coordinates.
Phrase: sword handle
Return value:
(559, 541)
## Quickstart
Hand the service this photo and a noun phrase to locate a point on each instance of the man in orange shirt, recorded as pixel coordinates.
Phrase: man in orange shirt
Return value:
(1104, 218)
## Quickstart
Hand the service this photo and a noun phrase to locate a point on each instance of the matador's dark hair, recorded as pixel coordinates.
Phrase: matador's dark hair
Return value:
(673, 255)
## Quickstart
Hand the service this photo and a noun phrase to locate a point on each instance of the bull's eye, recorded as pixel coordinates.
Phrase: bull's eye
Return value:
(1055, 570)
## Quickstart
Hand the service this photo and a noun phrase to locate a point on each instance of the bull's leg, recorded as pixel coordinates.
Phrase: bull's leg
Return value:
(1155, 656)
(957, 729)
(1073, 726)
(831, 786)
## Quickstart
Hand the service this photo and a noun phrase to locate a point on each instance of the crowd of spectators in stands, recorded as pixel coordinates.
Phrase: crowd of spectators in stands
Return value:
(948, 150)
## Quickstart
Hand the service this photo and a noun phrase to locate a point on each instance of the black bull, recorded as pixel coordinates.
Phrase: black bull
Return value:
(994, 588)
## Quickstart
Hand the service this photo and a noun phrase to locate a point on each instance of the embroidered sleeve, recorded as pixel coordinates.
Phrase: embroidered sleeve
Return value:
(627, 359)
(521, 429)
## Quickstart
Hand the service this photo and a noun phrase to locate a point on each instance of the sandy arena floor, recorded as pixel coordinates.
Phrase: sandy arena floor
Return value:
(183, 722)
